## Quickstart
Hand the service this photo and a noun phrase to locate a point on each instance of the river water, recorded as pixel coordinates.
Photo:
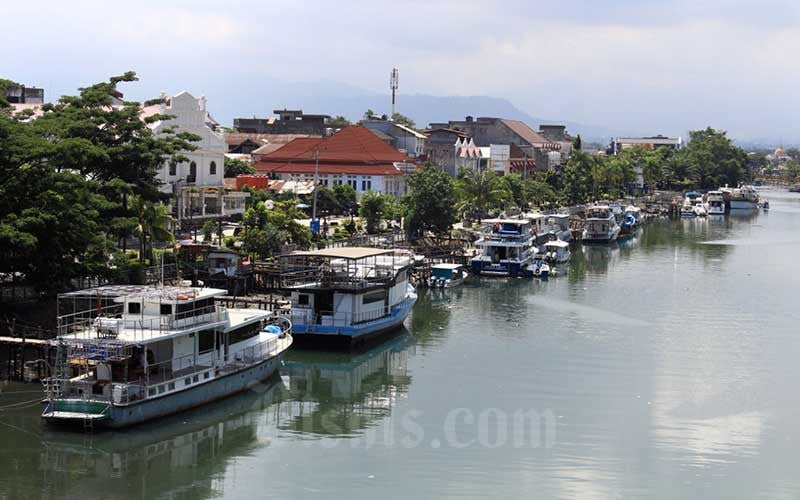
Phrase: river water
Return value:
(663, 367)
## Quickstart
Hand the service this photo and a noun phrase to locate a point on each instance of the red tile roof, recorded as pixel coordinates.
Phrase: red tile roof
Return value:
(353, 150)
(351, 144)
(326, 168)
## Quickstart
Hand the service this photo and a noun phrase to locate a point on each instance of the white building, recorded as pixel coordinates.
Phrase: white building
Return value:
(404, 139)
(199, 181)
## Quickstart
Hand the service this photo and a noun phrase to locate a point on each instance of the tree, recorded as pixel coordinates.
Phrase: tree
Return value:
(345, 196)
(577, 143)
(578, 178)
(327, 204)
(539, 192)
(478, 192)
(234, 167)
(403, 120)
(371, 209)
(369, 114)
(153, 225)
(208, 230)
(514, 191)
(265, 241)
(430, 205)
(339, 121)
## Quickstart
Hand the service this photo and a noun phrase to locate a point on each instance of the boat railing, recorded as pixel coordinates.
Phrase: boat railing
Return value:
(140, 329)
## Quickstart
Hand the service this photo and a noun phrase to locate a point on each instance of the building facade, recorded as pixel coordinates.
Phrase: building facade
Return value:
(440, 148)
(288, 121)
(197, 183)
(404, 139)
(353, 156)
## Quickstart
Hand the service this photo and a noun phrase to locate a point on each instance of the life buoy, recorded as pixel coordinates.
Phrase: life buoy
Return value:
(183, 297)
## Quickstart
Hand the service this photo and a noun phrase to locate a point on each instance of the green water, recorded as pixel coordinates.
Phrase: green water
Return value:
(663, 367)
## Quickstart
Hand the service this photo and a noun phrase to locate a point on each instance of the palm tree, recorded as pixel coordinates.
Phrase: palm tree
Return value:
(478, 191)
(153, 224)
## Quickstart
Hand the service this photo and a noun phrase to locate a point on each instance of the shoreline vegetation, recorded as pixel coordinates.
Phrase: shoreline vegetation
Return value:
(79, 185)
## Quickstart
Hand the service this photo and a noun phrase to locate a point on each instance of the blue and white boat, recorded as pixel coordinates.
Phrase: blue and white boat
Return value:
(343, 297)
(131, 354)
(505, 246)
(447, 275)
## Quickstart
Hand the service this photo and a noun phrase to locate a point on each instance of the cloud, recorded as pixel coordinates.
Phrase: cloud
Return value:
(653, 66)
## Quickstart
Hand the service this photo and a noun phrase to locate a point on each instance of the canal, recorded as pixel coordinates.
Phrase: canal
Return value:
(661, 367)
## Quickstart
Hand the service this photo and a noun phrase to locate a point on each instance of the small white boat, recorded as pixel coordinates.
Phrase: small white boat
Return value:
(447, 275)
(601, 225)
(557, 251)
(715, 203)
(540, 269)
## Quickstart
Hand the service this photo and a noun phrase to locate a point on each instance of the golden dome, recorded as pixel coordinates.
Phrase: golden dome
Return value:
(779, 151)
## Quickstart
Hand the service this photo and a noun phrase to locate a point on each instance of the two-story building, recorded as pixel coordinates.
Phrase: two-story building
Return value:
(440, 148)
(403, 138)
(197, 183)
(353, 156)
(288, 121)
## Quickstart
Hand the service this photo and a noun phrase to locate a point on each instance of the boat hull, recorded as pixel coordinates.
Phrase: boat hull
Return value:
(743, 205)
(485, 268)
(118, 416)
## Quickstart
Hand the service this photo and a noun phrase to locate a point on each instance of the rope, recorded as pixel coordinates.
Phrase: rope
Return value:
(20, 405)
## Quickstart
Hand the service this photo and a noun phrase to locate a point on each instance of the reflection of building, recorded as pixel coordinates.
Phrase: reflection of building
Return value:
(198, 181)
(354, 393)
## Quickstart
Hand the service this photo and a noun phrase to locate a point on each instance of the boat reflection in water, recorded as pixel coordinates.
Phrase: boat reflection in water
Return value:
(189, 455)
(343, 394)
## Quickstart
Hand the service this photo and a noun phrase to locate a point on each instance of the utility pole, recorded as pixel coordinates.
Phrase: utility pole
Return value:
(314, 226)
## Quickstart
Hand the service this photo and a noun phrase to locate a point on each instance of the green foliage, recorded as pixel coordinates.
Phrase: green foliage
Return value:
(369, 114)
(234, 167)
(375, 208)
(709, 160)
(76, 181)
(282, 219)
(264, 242)
(403, 120)
(345, 197)
(5, 85)
(339, 121)
(478, 192)
(327, 204)
(208, 230)
(431, 201)
(577, 143)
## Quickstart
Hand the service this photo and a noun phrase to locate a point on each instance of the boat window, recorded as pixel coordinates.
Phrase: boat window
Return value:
(206, 375)
(161, 389)
(195, 378)
(206, 341)
(134, 307)
(166, 309)
(172, 386)
(187, 381)
(244, 333)
(151, 391)
(376, 296)
(302, 299)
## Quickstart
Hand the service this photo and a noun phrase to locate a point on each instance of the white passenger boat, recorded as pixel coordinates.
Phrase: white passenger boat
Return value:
(447, 275)
(601, 225)
(557, 251)
(505, 246)
(140, 353)
(715, 203)
(743, 198)
(694, 201)
(558, 226)
(343, 297)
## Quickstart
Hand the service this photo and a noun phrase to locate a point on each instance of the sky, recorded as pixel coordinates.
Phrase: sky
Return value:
(634, 65)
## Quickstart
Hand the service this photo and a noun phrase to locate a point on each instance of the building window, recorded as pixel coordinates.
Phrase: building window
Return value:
(192, 173)
(173, 168)
(134, 307)
(302, 300)
(212, 169)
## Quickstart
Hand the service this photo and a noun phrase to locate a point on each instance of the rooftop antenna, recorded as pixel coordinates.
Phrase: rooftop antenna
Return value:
(393, 80)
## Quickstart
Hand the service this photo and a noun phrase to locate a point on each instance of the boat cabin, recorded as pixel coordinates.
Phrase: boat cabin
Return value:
(447, 272)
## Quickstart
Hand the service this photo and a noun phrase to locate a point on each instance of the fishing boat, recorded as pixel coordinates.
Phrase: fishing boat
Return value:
(147, 352)
(557, 251)
(447, 275)
(601, 225)
(715, 203)
(345, 297)
(505, 248)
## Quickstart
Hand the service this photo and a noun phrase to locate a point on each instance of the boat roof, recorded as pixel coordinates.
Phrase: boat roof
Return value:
(560, 216)
(535, 215)
(506, 221)
(148, 292)
(446, 266)
(343, 253)
(557, 243)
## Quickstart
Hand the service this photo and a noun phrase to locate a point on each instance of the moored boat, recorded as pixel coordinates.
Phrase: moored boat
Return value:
(601, 225)
(505, 246)
(447, 275)
(344, 297)
(715, 203)
(557, 251)
(147, 352)
(744, 198)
